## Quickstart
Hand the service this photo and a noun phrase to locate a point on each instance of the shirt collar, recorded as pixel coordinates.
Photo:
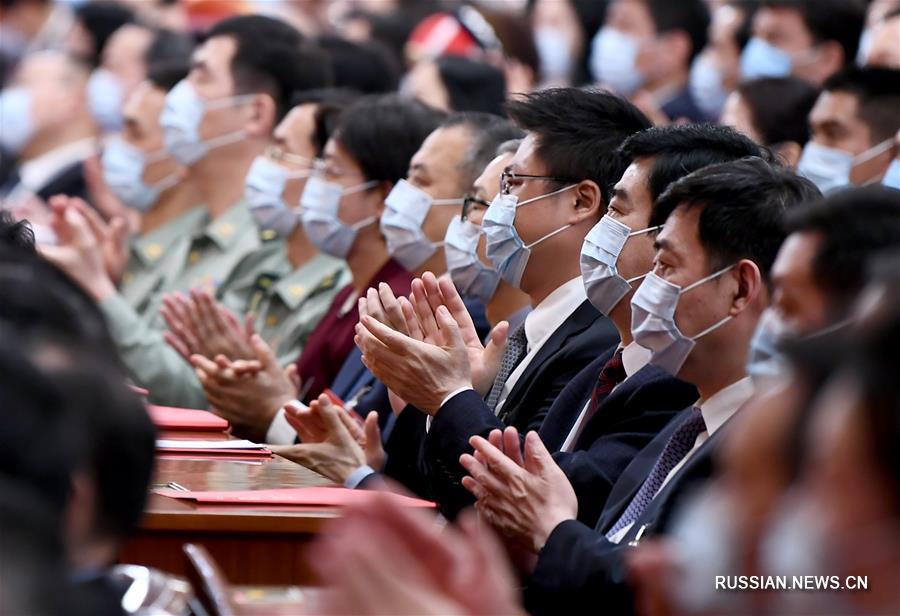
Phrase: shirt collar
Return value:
(35, 173)
(724, 403)
(553, 311)
(634, 357)
(322, 272)
(228, 228)
(148, 248)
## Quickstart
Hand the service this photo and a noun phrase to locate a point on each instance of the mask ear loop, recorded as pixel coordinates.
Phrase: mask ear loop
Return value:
(697, 284)
(631, 281)
(550, 194)
(547, 237)
(365, 222)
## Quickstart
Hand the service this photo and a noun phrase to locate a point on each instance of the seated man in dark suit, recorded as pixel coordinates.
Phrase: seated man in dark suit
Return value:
(696, 312)
(47, 124)
(553, 192)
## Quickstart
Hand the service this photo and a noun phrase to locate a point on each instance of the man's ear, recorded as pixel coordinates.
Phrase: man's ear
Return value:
(588, 202)
(750, 285)
(262, 112)
(831, 58)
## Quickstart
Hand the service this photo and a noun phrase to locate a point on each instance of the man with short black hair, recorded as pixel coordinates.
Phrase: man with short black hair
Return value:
(696, 313)
(649, 45)
(854, 124)
(555, 189)
(810, 39)
(821, 268)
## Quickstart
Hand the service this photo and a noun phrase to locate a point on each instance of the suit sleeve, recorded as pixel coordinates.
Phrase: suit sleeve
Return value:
(151, 362)
(461, 417)
(403, 446)
(578, 572)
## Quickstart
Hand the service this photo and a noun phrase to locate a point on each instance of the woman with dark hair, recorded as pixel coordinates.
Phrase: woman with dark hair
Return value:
(563, 32)
(454, 83)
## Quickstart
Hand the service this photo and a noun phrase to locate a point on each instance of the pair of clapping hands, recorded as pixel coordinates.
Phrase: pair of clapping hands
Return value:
(425, 347)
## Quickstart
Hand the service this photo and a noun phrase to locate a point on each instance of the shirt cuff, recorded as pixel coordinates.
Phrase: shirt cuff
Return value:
(357, 476)
(280, 431)
(430, 419)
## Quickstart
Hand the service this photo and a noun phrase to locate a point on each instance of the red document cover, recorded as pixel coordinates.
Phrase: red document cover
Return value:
(304, 497)
(171, 418)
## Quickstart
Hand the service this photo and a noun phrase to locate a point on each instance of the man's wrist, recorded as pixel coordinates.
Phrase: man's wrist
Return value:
(102, 289)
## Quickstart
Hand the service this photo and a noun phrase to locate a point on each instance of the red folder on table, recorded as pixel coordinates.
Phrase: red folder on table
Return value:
(303, 497)
(171, 418)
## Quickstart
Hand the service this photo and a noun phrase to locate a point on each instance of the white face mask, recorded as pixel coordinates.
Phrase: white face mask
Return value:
(613, 61)
(406, 209)
(707, 87)
(765, 358)
(181, 118)
(505, 247)
(653, 321)
(320, 206)
(123, 170)
(829, 168)
(264, 191)
(600, 252)
(554, 52)
(472, 278)
(16, 125)
(105, 97)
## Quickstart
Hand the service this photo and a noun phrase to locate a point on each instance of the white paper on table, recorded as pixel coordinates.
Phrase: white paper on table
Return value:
(180, 444)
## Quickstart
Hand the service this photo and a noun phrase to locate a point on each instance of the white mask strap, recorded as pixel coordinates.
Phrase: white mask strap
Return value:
(872, 152)
(548, 236)
(631, 281)
(362, 224)
(223, 140)
(166, 183)
(219, 103)
(712, 328)
(708, 278)
(551, 194)
(647, 230)
(359, 187)
(446, 202)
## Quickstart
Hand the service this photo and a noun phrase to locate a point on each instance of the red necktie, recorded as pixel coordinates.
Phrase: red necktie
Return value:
(612, 374)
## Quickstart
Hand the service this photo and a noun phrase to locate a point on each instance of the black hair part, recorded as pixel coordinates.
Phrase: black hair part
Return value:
(689, 16)
(16, 234)
(471, 85)
(679, 150)
(855, 225)
(579, 132)
(744, 204)
(878, 92)
(779, 108)
(383, 132)
(272, 57)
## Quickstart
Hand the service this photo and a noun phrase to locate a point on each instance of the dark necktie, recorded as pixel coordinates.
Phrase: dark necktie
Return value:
(678, 446)
(516, 348)
(612, 374)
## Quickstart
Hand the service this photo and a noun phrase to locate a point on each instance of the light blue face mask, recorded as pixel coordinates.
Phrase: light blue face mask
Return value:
(613, 60)
(16, 126)
(264, 191)
(762, 59)
(105, 97)
(406, 209)
(472, 278)
(707, 88)
(123, 170)
(319, 212)
(505, 247)
(181, 118)
(892, 176)
(830, 169)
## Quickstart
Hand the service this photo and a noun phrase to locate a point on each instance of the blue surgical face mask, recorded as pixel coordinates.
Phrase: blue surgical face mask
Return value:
(320, 207)
(613, 60)
(829, 168)
(123, 170)
(406, 209)
(16, 126)
(505, 247)
(554, 52)
(762, 59)
(653, 321)
(865, 46)
(891, 177)
(472, 278)
(600, 252)
(264, 191)
(707, 88)
(181, 118)
(105, 97)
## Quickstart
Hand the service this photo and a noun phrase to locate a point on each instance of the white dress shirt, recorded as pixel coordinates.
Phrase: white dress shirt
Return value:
(718, 409)
(634, 357)
(37, 172)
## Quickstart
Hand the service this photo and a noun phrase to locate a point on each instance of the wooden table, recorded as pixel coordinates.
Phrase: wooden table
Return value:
(253, 545)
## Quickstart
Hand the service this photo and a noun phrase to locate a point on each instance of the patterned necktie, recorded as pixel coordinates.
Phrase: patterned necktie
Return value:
(612, 374)
(680, 443)
(516, 348)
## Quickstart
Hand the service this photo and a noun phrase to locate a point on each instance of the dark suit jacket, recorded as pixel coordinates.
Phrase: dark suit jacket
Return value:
(627, 421)
(579, 569)
(69, 181)
(578, 341)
